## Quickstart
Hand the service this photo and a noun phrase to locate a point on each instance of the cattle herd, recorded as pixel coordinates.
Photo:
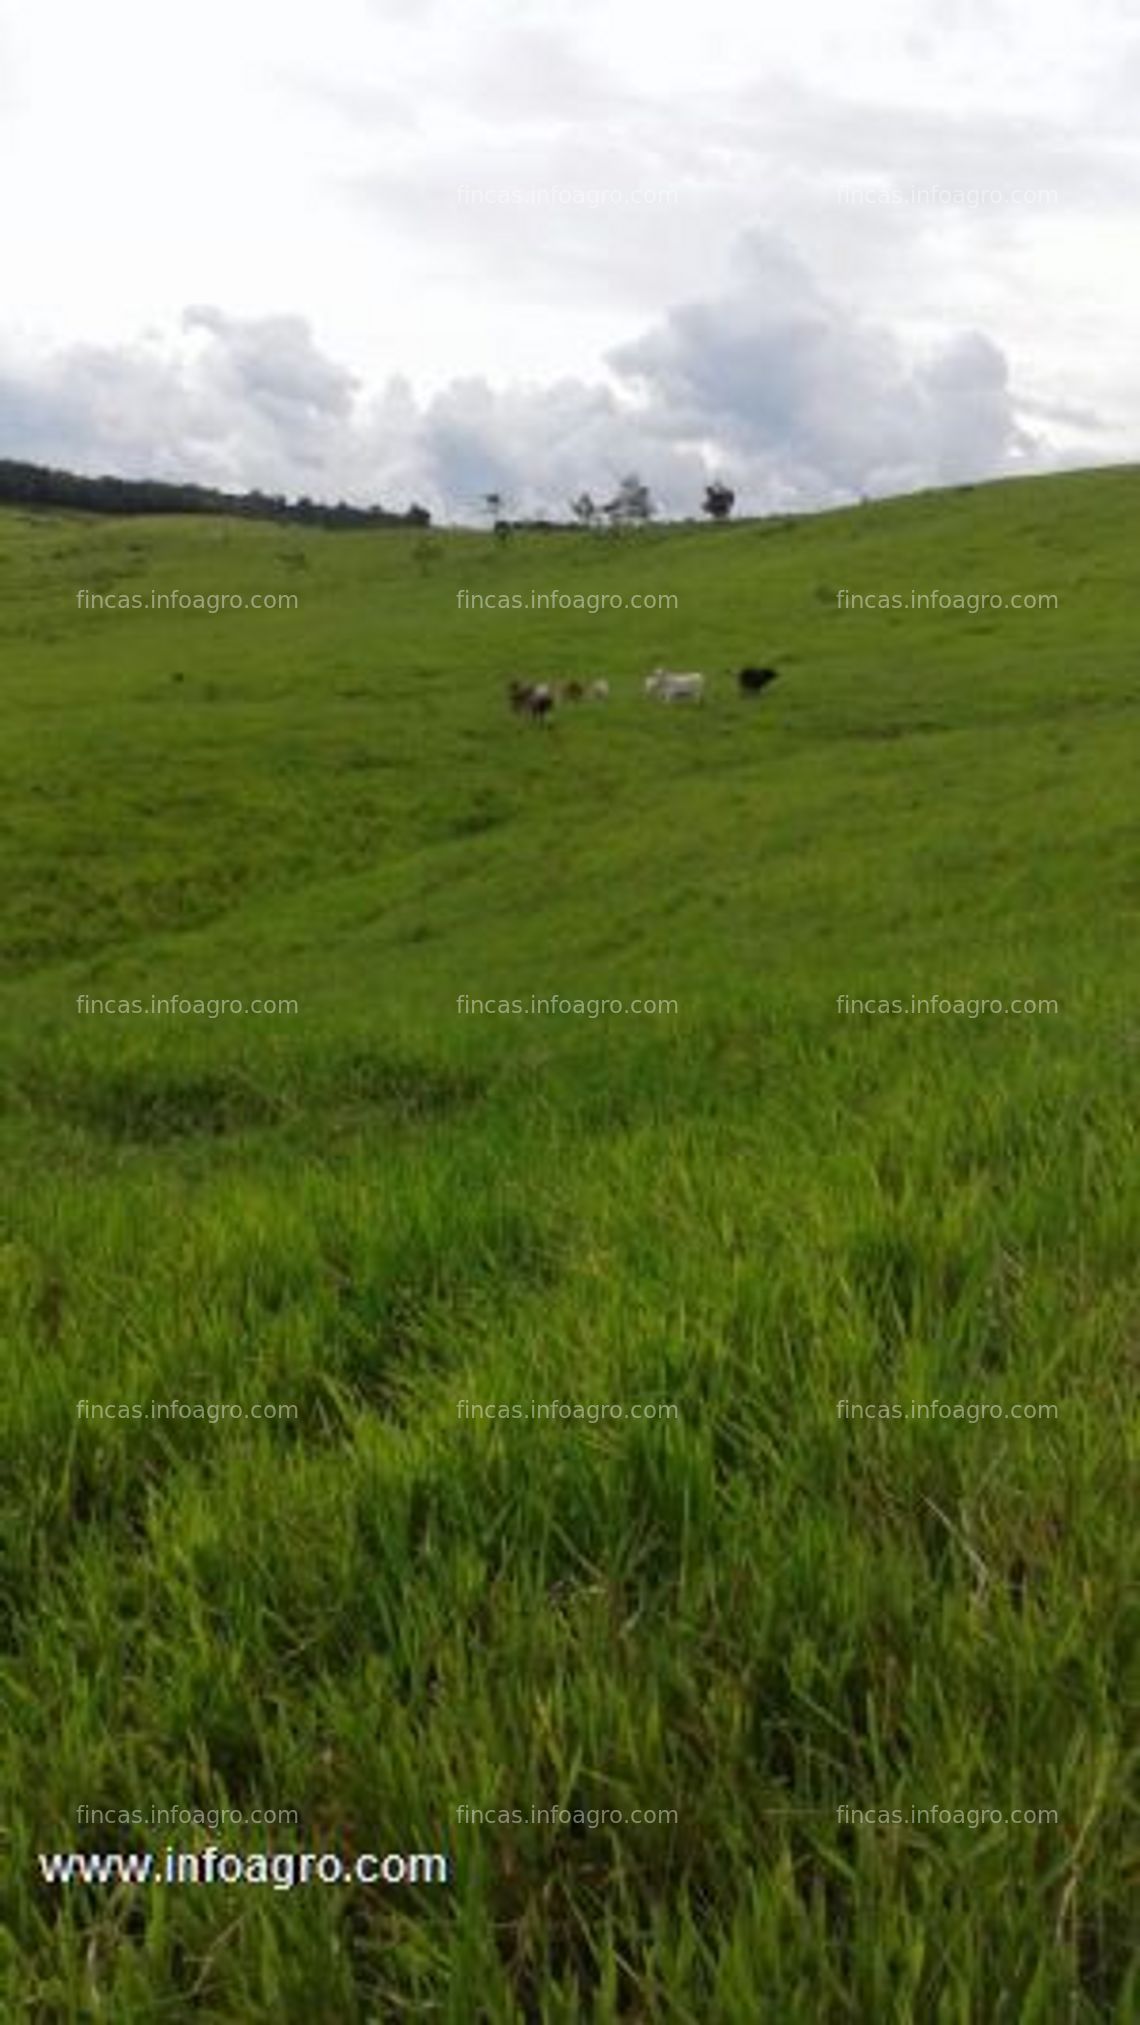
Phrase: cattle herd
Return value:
(537, 700)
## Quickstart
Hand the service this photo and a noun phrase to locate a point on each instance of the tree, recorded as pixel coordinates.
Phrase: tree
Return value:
(719, 501)
(500, 525)
(631, 504)
(584, 510)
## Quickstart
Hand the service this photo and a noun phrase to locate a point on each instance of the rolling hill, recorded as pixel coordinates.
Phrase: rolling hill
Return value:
(782, 1624)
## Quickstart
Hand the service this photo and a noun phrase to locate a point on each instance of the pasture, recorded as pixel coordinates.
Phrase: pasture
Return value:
(758, 1208)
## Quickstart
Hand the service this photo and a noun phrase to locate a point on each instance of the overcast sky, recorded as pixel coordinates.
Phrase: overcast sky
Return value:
(396, 249)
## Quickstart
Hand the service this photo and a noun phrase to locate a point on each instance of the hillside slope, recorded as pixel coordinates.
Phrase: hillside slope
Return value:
(756, 1609)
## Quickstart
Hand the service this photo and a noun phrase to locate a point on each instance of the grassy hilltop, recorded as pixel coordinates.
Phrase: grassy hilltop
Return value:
(751, 1615)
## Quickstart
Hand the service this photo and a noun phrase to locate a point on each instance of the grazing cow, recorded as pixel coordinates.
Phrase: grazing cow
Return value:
(531, 699)
(753, 680)
(599, 691)
(672, 688)
(572, 692)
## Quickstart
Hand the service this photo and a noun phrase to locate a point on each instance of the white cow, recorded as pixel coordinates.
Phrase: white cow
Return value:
(599, 691)
(673, 688)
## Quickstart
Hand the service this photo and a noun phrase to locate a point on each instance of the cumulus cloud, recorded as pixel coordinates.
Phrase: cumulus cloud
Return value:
(810, 402)
(775, 384)
(512, 188)
(225, 401)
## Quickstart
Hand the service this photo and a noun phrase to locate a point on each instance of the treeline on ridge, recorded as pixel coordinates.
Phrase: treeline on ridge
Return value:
(37, 485)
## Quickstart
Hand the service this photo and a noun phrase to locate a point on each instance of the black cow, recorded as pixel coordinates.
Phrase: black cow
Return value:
(753, 680)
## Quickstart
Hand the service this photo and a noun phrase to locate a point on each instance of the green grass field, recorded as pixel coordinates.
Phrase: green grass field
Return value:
(750, 1615)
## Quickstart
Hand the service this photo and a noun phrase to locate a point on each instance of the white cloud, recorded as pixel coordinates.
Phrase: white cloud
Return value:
(305, 172)
(810, 401)
(775, 383)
